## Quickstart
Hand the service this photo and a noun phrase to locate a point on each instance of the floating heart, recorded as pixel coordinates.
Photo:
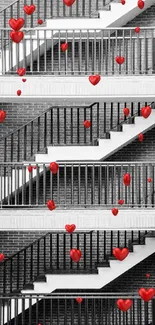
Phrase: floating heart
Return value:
(16, 24)
(146, 294)
(114, 211)
(120, 202)
(2, 257)
(126, 179)
(148, 275)
(68, 3)
(54, 167)
(79, 300)
(137, 30)
(120, 254)
(30, 168)
(64, 47)
(123, 304)
(123, 2)
(141, 137)
(21, 72)
(19, 92)
(146, 111)
(51, 205)
(40, 21)
(29, 9)
(140, 4)
(2, 116)
(17, 36)
(94, 79)
(149, 179)
(120, 59)
(24, 80)
(70, 228)
(87, 124)
(75, 254)
(126, 111)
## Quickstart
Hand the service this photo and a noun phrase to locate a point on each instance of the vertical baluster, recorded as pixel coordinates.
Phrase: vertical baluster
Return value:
(25, 267)
(58, 187)
(72, 126)
(71, 245)
(72, 311)
(77, 241)
(38, 130)
(104, 248)
(45, 130)
(64, 251)
(25, 142)
(91, 128)
(58, 251)
(65, 185)
(91, 249)
(84, 250)
(93, 185)
(18, 268)
(45, 253)
(38, 258)
(31, 266)
(79, 184)
(51, 247)
(51, 125)
(58, 125)
(65, 126)
(72, 185)
(105, 121)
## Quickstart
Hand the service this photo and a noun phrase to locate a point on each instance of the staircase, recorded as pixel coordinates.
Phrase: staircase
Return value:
(92, 272)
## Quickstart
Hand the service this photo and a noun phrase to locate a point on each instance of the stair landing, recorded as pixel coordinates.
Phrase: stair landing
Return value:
(43, 219)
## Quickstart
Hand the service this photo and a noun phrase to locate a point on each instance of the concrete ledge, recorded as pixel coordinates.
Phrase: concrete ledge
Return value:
(38, 219)
(53, 87)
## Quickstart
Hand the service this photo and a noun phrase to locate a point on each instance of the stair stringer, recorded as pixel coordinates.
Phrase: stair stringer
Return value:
(96, 281)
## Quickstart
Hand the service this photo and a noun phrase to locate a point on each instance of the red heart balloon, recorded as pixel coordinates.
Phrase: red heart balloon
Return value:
(17, 36)
(114, 211)
(30, 168)
(34, 167)
(24, 80)
(2, 256)
(124, 304)
(137, 30)
(19, 92)
(140, 4)
(68, 3)
(51, 205)
(64, 47)
(94, 80)
(123, 2)
(75, 254)
(79, 300)
(29, 9)
(146, 294)
(87, 124)
(70, 228)
(120, 59)
(40, 21)
(148, 275)
(149, 179)
(126, 179)
(141, 137)
(120, 254)
(16, 24)
(120, 202)
(2, 116)
(54, 167)
(21, 72)
(146, 111)
(126, 111)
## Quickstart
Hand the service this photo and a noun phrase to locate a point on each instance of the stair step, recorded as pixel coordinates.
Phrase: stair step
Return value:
(91, 271)
(41, 278)
(29, 286)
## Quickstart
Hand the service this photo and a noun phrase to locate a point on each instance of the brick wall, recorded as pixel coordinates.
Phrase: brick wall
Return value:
(13, 242)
